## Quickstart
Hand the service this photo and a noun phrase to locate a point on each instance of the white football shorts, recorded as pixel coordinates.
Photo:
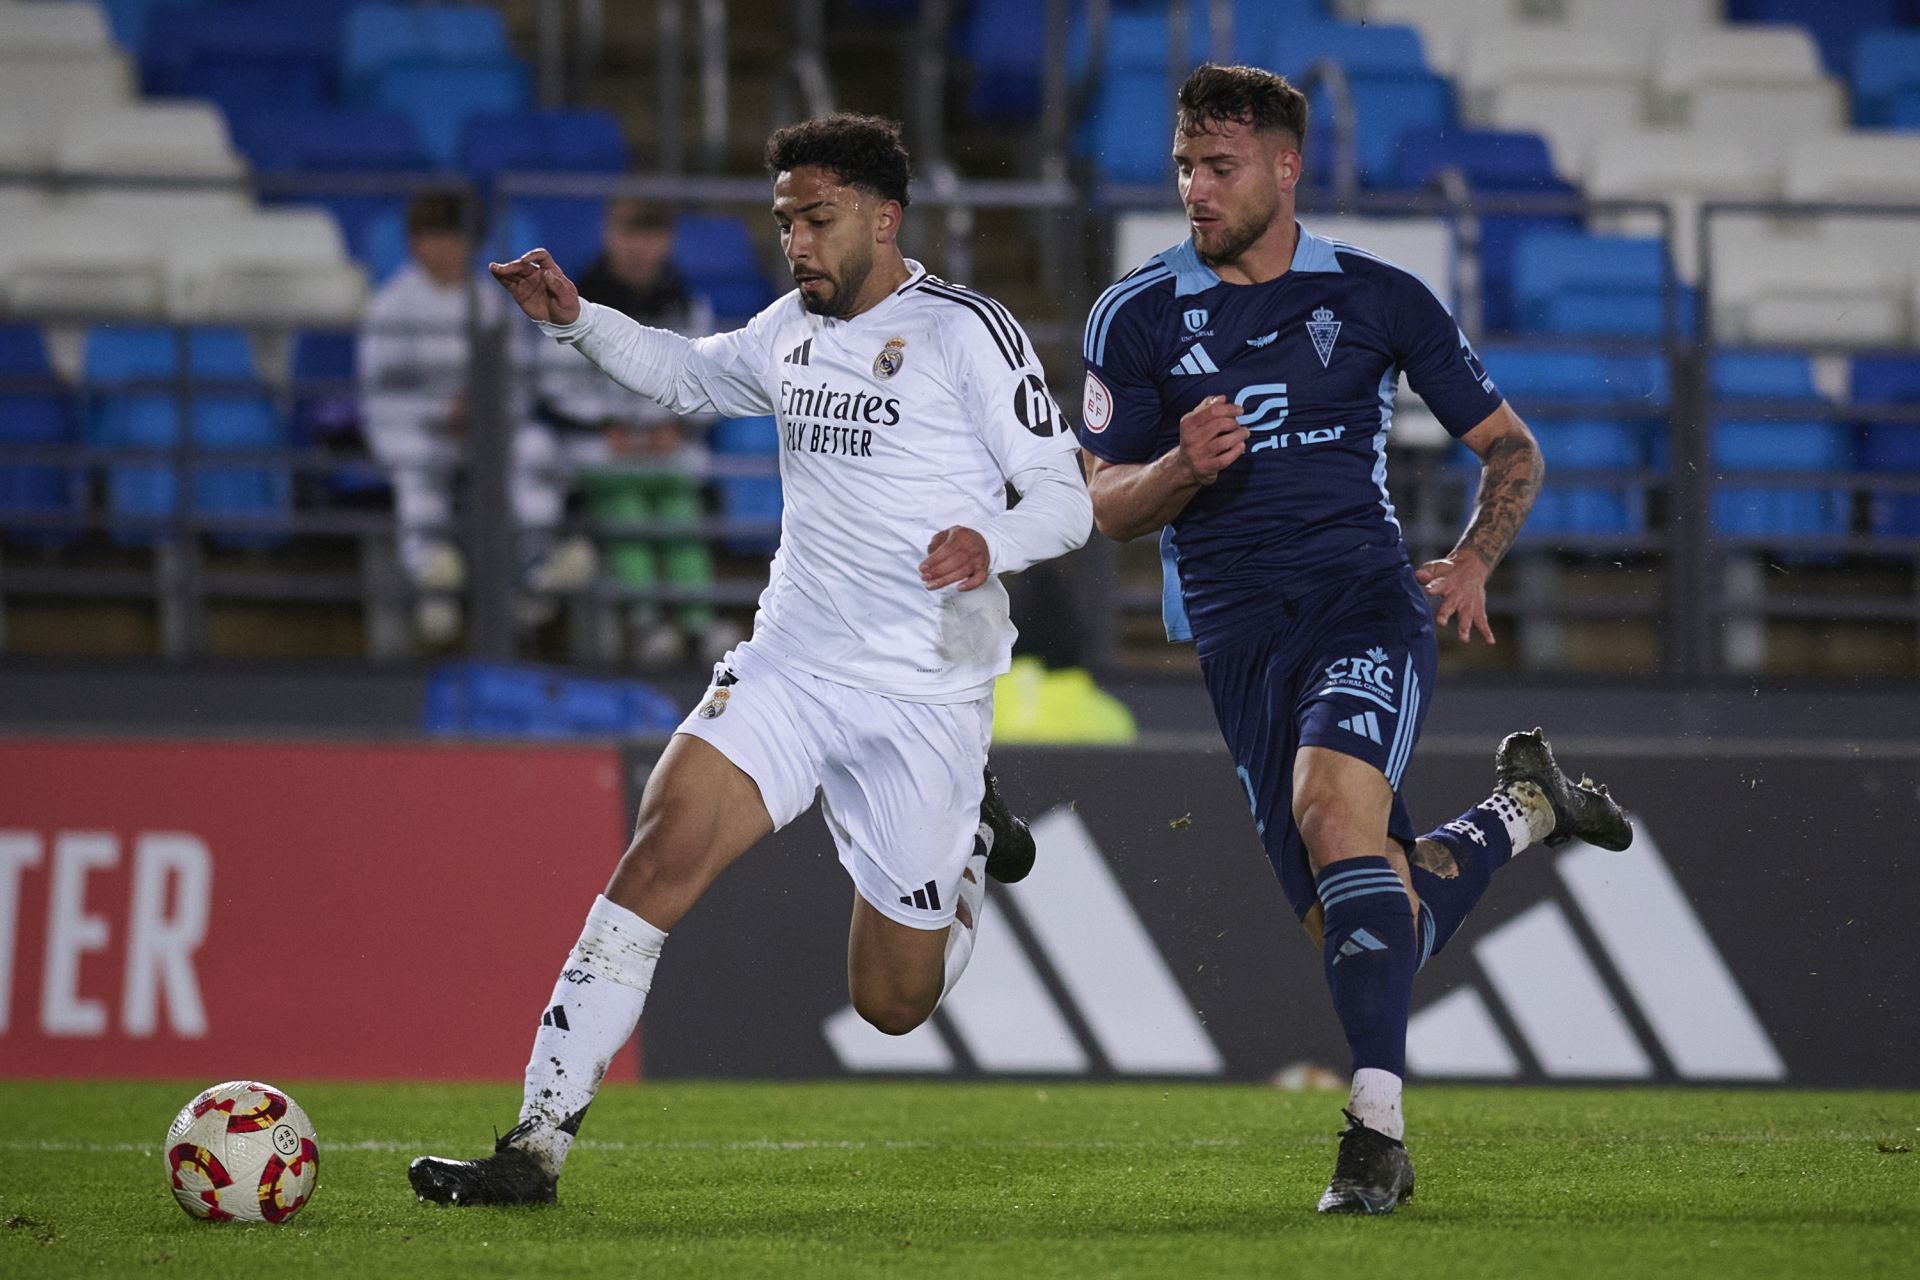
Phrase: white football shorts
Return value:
(900, 783)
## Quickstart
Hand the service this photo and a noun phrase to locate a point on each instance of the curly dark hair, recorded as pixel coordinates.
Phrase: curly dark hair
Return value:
(1214, 95)
(862, 151)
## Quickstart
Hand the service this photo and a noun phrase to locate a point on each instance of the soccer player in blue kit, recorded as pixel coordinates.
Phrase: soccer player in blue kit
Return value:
(1238, 395)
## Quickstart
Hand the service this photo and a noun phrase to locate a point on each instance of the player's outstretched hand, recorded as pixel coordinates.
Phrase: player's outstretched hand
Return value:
(955, 555)
(1457, 588)
(1211, 438)
(539, 286)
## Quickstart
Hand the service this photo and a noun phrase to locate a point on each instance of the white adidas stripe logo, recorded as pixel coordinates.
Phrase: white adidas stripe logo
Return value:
(1135, 1015)
(1366, 724)
(1559, 1002)
(1195, 362)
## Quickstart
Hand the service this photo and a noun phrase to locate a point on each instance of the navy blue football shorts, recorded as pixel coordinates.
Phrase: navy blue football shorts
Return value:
(1349, 670)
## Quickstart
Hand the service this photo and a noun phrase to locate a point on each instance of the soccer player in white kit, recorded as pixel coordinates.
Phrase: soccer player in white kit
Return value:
(906, 407)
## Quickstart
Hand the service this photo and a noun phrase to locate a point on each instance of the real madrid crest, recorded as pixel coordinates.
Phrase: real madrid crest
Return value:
(891, 357)
(711, 709)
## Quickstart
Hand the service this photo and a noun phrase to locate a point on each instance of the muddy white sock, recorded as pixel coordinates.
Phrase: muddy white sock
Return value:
(1375, 1101)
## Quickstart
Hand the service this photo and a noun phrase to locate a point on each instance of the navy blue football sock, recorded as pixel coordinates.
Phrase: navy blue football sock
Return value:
(1479, 843)
(1369, 957)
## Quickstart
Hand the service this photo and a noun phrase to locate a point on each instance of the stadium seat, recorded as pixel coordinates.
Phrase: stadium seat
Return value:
(1370, 51)
(243, 88)
(747, 497)
(1384, 111)
(440, 99)
(1572, 117)
(716, 258)
(1572, 282)
(1746, 55)
(1500, 57)
(1885, 64)
(1578, 376)
(1761, 375)
(748, 436)
(1129, 135)
(1680, 170)
(1445, 26)
(500, 700)
(34, 411)
(1799, 287)
(582, 141)
(1742, 511)
(1886, 382)
(300, 41)
(1654, 21)
(300, 139)
(165, 139)
(281, 266)
(52, 29)
(39, 95)
(1855, 166)
(129, 18)
(1836, 28)
(380, 36)
(128, 410)
(60, 261)
(1596, 445)
(1002, 42)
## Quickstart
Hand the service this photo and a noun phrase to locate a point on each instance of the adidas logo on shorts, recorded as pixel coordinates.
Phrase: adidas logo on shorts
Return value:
(926, 897)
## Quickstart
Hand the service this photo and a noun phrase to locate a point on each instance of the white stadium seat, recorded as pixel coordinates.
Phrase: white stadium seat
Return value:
(1445, 26)
(1855, 166)
(47, 28)
(1643, 23)
(1682, 170)
(278, 266)
(1807, 286)
(1785, 112)
(39, 95)
(1751, 55)
(172, 139)
(61, 262)
(1573, 117)
(1494, 60)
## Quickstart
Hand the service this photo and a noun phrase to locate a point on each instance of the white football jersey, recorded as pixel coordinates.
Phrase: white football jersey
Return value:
(907, 419)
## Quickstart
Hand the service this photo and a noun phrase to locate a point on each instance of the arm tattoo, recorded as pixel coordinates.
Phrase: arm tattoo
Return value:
(1510, 479)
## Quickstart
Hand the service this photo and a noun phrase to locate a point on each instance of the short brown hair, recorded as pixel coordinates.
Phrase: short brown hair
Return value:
(1214, 95)
(444, 211)
(862, 151)
(633, 213)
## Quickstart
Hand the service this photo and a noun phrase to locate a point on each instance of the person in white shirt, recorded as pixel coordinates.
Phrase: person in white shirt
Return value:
(906, 407)
(412, 359)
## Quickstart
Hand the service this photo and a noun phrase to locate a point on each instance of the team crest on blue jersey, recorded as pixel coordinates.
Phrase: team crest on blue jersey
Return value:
(1323, 329)
(1196, 319)
(891, 357)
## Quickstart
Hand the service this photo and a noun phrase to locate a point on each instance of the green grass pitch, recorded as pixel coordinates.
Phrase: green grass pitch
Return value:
(1016, 1182)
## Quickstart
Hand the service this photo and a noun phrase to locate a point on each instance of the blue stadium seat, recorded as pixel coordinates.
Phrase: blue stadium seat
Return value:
(1129, 134)
(34, 412)
(382, 246)
(1780, 446)
(243, 88)
(299, 40)
(502, 700)
(1495, 162)
(748, 436)
(1384, 112)
(1755, 375)
(716, 258)
(148, 417)
(1887, 381)
(305, 139)
(1003, 42)
(1834, 24)
(379, 36)
(441, 98)
(1886, 75)
(580, 141)
(1636, 382)
(129, 18)
(1370, 50)
(1903, 109)
(1599, 286)
(1587, 509)
(568, 228)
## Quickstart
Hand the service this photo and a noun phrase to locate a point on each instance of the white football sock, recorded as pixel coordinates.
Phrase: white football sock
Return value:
(966, 918)
(1375, 1101)
(595, 1006)
(1524, 810)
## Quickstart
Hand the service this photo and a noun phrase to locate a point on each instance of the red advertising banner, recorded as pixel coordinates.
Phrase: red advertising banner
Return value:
(271, 910)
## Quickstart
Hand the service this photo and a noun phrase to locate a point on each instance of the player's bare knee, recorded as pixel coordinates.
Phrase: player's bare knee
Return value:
(893, 1013)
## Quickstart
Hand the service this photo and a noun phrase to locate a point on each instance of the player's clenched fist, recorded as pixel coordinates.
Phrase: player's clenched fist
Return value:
(539, 286)
(1211, 438)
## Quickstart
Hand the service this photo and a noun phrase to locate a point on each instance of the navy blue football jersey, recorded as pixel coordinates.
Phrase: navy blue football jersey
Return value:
(1313, 359)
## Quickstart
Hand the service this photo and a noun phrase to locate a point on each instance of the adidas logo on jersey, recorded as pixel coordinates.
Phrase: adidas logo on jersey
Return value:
(1366, 724)
(1195, 362)
(802, 354)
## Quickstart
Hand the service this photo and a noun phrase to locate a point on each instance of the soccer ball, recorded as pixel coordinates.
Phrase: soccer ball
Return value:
(242, 1151)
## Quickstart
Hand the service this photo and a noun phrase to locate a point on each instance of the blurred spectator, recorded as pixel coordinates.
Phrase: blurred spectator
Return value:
(636, 460)
(414, 343)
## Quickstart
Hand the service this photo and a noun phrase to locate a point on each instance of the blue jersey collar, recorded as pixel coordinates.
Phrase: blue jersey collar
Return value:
(1191, 276)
